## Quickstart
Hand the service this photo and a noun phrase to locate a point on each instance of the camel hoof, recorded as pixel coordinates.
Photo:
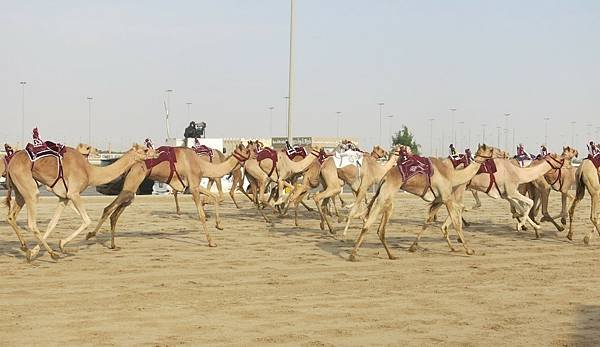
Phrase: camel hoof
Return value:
(452, 249)
(211, 244)
(54, 256)
(29, 255)
(24, 248)
(90, 235)
(392, 257)
(560, 228)
(353, 258)
(413, 248)
(470, 251)
(570, 236)
(563, 221)
(322, 226)
(586, 240)
(61, 245)
(523, 227)
(219, 227)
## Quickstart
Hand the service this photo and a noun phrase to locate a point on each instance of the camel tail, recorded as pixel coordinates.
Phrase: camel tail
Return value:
(435, 205)
(580, 186)
(375, 196)
(8, 192)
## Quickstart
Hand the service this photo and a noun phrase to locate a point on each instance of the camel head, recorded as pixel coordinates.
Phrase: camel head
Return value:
(242, 153)
(489, 152)
(378, 152)
(255, 146)
(86, 150)
(569, 153)
(141, 153)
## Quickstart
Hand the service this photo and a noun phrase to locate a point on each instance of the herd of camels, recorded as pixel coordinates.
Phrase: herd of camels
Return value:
(301, 172)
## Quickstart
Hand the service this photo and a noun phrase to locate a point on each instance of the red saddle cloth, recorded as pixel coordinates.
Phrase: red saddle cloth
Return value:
(165, 153)
(268, 153)
(459, 159)
(296, 151)
(203, 150)
(323, 156)
(45, 149)
(412, 165)
(9, 154)
(595, 159)
(488, 167)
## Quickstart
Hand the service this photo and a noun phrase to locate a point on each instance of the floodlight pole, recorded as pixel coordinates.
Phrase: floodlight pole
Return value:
(291, 71)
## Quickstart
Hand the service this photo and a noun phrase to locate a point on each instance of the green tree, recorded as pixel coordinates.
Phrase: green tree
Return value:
(406, 138)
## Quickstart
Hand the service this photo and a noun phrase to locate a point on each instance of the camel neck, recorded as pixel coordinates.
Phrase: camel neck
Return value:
(105, 174)
(219, 170)
(463, 176)
(529, 174)
(296, 166)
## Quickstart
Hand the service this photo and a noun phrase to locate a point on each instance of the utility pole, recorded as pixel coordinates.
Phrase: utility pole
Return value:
(23, 83)
(380, 110)
(291, 71)
(453, 135)
(89, 99)
(546, 119)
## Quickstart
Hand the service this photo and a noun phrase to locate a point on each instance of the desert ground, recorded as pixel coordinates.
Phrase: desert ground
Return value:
(283, 285)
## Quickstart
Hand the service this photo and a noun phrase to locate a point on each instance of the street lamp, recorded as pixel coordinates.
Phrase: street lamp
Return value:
(339, 116)
(271, 121)
(453, 136)
(287, 110)
(546, 119)
(431, 136)
(168, 109)
(291, 71)
(89, 99)
(461, 129)
(23, 83)
(380, 110)
(390, 117)
(506, 115)
(499, 128)
(189, 110)
(573, 133)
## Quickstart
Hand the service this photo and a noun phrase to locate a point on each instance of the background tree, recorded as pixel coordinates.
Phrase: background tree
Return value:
(406, 138)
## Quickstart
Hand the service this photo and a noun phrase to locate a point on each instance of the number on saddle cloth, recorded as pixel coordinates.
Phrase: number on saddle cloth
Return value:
(296, 151)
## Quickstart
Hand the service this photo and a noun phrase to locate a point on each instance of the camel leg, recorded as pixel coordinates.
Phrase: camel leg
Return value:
(209, 194)
(385, 193)
(114, 218)
(62, 203)
(455, 214)
(526, 205)
(32, 222)
(388, 209)
(593, 219)
(564, 211)
(198, 201)
(576, 200)
(219, 184)
(175, 194)
(327, 193)
(308, 208)
(234, 185)
(544, 196)
(433, 210)
(86, 221)
(12, 218)
(477, 201)
(124, 198)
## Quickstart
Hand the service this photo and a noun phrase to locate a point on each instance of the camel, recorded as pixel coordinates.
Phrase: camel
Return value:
(436, 184)
(560, 180)
(371, 173)
(84, 149)
(587, 177)
(180, 168)
(351, 175)
(66, 178)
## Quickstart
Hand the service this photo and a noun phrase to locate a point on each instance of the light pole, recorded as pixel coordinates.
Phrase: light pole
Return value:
(461, 126)
(506, 115)
(168, 107)
(390, 117)
(89, 99)
(23, 83)
(380, 110)
(453, 136)
(291, 71)
(573, 132)
(431, 136)
(287, 101)
(483, 134)
(271, 121)
(499, 128)
(189, 110)
(546, 119)
(339, 116)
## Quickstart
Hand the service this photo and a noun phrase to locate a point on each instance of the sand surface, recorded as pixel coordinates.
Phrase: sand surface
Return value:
(294, 286)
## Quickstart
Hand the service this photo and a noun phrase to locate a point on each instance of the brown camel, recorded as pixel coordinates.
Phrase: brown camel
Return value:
(370, 174)
(587, 177)
(560, 180)
(66, 178)
(179, 167)
(435, 184)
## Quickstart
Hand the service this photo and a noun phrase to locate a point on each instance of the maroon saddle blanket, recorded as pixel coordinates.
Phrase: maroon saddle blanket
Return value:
(488, 167)
(165, 153)
(413, 165)
(296, 151)
(459, 159)
(203, 150)
(45, 149)
(595, 159)
(268, 153)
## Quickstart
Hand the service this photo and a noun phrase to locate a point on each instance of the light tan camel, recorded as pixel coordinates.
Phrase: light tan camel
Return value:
(351, 175)
(236, 174)
(560, 180)
(505, 183)
(586, 177)
(77, 175)
(85, 150)
(371, 173)
(187, 172)
(437, 189)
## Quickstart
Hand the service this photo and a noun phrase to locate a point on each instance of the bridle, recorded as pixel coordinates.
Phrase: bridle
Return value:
(315, 152)
(561, 163)
(240, 158)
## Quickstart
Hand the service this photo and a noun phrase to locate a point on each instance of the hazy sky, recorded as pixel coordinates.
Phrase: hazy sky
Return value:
(230, 58)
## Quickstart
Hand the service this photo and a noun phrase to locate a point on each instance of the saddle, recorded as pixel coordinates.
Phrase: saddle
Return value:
(268, 153)
(349, 157)
(459, 159)
(489, 167)
(203, 150)
(9, 154)
(323, 156)
(41, 149)
(296, 151)
(412, 165)
(165, 154)
(595, 159)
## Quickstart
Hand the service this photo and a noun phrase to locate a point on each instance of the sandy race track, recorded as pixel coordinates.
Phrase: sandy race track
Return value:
(294, 286)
